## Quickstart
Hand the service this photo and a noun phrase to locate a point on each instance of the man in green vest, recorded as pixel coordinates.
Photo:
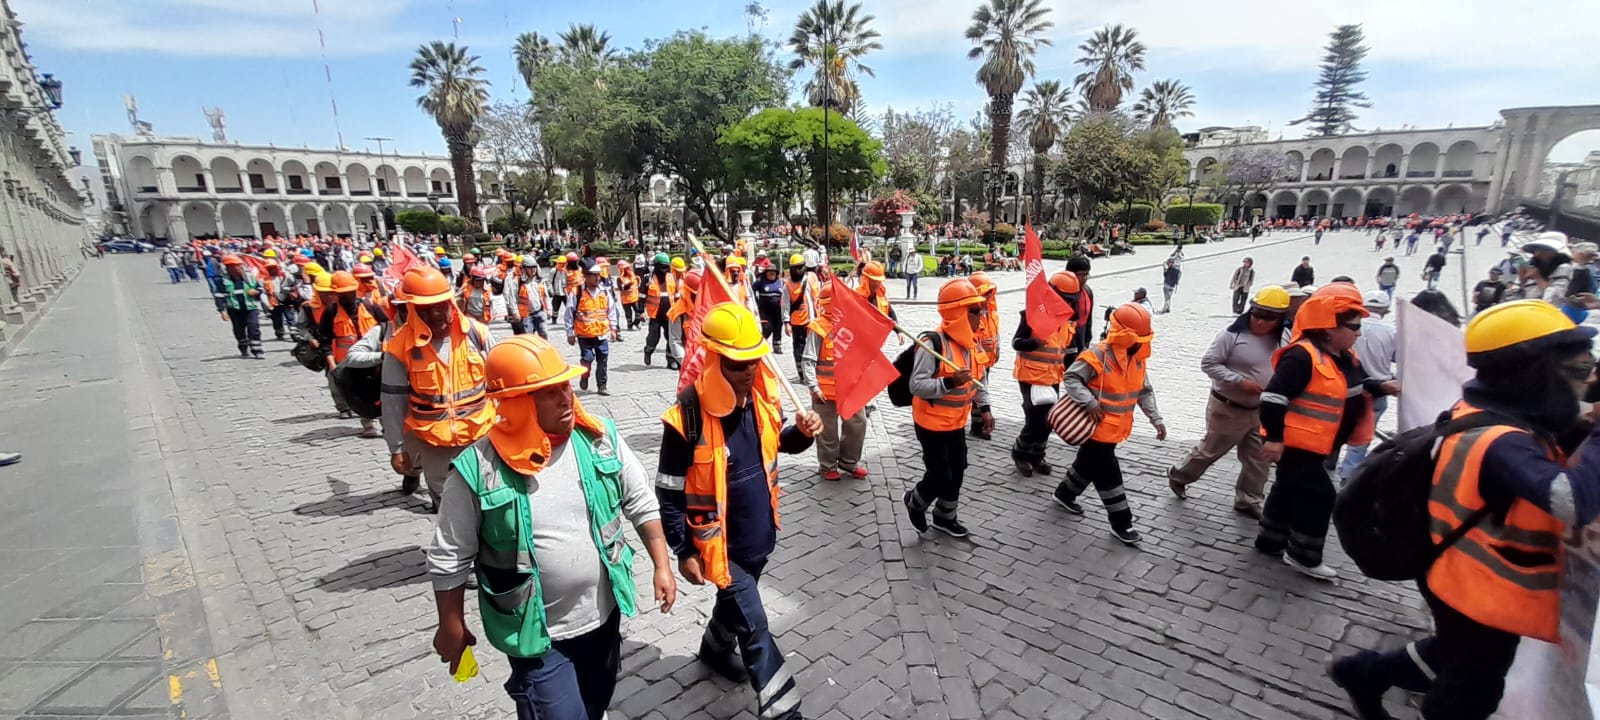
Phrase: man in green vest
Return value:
(536, 509)
(238, 298)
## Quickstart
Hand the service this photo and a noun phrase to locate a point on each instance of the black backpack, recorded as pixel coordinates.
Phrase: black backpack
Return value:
(1382, 513)
(900, 389)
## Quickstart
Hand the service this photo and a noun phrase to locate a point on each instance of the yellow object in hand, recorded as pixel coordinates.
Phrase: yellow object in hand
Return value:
(467, 667)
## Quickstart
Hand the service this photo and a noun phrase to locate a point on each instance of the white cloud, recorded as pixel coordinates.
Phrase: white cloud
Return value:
(218, 28)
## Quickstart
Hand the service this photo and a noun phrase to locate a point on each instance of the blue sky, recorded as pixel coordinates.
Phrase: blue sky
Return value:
(1433, 62)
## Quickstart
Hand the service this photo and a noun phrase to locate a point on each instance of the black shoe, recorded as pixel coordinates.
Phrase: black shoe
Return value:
(1043, 468)
(281, 337)
(409, 484)
(673, 365)
(1069, 504)
(951, 526)
(919, 518)
(259, 356)
(244, 353)
(726, 664)
(1366, 693)
(647, 357)
(603, 390)
(1128, 536)
(583, 382)
(1024, 469)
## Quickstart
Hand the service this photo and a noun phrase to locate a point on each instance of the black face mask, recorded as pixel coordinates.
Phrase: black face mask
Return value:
(350, 303)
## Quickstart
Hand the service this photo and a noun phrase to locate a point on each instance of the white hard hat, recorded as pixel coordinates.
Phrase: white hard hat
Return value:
(1376, 300)
(813, 258)
(1555, 241)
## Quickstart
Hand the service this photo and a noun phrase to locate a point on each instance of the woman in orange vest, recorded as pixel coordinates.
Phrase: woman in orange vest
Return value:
(1039, 368)
(1108, 380)
(1308, 409)
(988, 334)
(1500, 582)
(943, 398)
(477, 299)
(370, 290)
(343, 323)
(660, 292)
(628, 288)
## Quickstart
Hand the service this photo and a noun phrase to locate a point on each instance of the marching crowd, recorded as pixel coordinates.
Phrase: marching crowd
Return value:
(1301, 374)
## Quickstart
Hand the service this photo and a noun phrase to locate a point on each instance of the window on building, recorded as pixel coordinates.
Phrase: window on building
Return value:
(200, 180)
(383, 186)
(333, 183)
(296, 182)
(257, 182)
(437, 186)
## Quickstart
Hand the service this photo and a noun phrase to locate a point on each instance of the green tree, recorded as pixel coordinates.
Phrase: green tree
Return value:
(531, 52)
(1333, 112)
(915, 144)
(1094, 155)
(1163, 102)
(832, 38)
(580, 218)
(1045, 108)
(454, 225)
(1111, 54)
(454, 95)
(964, 163)
(418, 221)
(1006, 34)
(778, 152)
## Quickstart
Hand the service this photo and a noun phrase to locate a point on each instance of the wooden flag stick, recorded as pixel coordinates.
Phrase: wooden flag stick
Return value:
(772, 364)
(918, 340)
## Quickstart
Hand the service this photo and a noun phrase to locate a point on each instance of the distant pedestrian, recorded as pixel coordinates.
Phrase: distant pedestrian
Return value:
(1244, 277)
(1488, 293)
(1303, 275)
(1411, 242)
(1388, 276)
(913, 269)
(173, 266)
(1169, 285)
(1317, 237)
(1433, 267)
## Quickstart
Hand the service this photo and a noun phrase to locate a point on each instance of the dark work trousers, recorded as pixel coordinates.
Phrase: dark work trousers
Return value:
(1097, 464)
(944, 462)
(1240, 297)
(531, 325)
(574, 681)
(1466, 665)
(246, 330)
(738, 618)
(1035, 436)
(630, 312)
(772, 328)
(595, 353)
(653, 336)
(798, 335)
(1298, 507)
(555, 305)
(282, 318)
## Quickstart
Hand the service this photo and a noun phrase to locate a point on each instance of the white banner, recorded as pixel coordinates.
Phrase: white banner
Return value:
(1431, 359)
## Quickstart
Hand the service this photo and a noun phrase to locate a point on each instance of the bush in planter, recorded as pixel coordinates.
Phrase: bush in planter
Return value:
(839, 235)
(1147, 239)
(1202, 214)
(1135, 215)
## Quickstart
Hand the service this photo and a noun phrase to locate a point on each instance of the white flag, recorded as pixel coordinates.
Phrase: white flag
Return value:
(1432, 365)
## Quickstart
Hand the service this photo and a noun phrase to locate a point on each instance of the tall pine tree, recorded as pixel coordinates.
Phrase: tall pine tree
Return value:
(1337, 97)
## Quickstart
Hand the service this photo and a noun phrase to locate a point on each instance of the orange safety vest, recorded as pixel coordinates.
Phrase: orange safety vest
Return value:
(374, 294)
(801, 295)
(705, 487)
(591, 317)
(1314, 415)
(1118, 381)
(628, 284)
(524, 301)
(347, 333)
(1045, 365)
(574, 280)
(449, 400)
(466, 299)
(653, 292)
(952, 410)
(268, 296)
(988, 335)
(825, 363)
(1505, 572)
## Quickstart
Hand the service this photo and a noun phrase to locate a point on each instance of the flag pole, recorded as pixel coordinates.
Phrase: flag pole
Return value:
(929, 349)
(711, 269)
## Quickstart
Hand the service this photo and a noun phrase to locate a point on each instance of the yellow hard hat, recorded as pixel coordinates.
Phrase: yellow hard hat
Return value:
(797, 260)
(313, 269)
(323, 283)
(679, 265)
(377, 252)
(269, 253)
(1272, 298)
(438, 251)
(525, 363)
(732, 331)
(1522, 331)
(737, 260)
(364, 258)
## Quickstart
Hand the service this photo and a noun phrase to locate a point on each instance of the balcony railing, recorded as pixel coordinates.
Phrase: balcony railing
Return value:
(1457, 173)
(149, 189)
(1354, 176)
(263, 191)
(360, 193)
(298, 191)
(192, 189)
(417, 194)
(1419, 173)
(330, 191)
(230, 190)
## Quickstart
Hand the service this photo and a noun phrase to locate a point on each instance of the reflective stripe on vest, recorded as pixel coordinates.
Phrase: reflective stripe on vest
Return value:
(346, 334)
(951, 410)
(1045, 365)
(655, 289)
(591, 318)
(440, 414)
(1314, 415)
(800, 297)
(1505, 572)
(1118, 385)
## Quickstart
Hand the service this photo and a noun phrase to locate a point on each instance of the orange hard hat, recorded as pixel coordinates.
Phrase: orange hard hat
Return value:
(523, 364)
(955, 296)
(362, 270)
(1321, 311)
(469, 257)
(231, 259)
(873, 271)
(344, 282)
(1132, 318)
(572, 257)
(480, 273)
(271, 263)
(426, 286)
(1065, 282)
(692, 279)
(982, 282)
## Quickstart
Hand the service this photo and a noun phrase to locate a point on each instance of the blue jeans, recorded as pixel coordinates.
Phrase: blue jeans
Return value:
(911, 286)
(592, 349)
(1354, 454)
(738, 617)
(532, 325)
(574, 681)
(176, 274)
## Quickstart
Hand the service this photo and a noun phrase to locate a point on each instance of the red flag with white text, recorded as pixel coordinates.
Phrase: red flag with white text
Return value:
(401, 259)
(858, 332)
(1046, 311)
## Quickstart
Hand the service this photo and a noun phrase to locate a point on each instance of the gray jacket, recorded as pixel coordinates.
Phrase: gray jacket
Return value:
(924, 385)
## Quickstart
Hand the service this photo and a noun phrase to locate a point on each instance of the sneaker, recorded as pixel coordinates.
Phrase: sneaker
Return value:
(603, 391)
(583, 382)
(1024, 469)
(10, 458)
(647, 357)
(858, 473)
(1069, 504)
(1043, 468)
(1128, 536)
(346, 414)
(409, 484)
(919, 518)
(1317, 572)
(369, 433)
(950, 526)
(1366, 694)
(832, 475)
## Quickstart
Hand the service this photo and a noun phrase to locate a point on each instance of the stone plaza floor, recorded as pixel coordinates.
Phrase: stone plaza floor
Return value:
(195, 535)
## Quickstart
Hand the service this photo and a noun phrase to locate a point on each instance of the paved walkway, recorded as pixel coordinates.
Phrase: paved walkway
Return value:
(318, 606)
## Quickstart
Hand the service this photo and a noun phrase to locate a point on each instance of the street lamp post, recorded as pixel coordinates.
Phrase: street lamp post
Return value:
(1192, 185)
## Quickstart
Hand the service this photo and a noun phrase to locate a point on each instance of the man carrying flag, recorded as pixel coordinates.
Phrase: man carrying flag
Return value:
(847, 333)
(1041, 343)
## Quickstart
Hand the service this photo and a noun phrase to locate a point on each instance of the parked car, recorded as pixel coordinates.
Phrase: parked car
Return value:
(123, 245)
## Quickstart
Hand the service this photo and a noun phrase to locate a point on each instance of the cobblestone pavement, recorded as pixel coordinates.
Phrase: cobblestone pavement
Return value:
(318, 603)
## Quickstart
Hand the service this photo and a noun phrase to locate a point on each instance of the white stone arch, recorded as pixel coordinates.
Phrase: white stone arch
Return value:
(416, 182)
(1414, 199)
(236, 220)
(153, 218)
(660, 190)
(364, 214)
(225, 175)
(358, 180)
(1320, 166)
(1353, 163)
(489, 184)
(1452, 199)
(1256, 202)
(1424, 162)
(1526, 141)
(1461, 159)
(1285, 203)
(200, 219)
(1379, 202)
(303, 218)
(448, 209)
(274, 221)
(188, 175)
(1206, 168)
(1294, 162)
(1347, 202)
(1315, 202)
(493, 211)
(297, 179)
(386, 180)
(261, 176)
(1386, 161)
(329, 181)
(142, 175)
(439, 182)
(337, 218)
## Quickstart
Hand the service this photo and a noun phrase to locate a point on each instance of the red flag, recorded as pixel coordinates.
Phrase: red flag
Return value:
(1046, 312)
(713, 292)
(401, 259)
(858, 332)
(256, 264)
(855, 245)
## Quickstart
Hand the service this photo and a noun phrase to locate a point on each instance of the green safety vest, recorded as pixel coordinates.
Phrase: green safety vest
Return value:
(235, 294)
(513, 618)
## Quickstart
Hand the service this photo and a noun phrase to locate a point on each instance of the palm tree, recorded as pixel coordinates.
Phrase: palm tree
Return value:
(1112, 54)
(586, 45)
(833, 39)
(1006, 34)
(455, 93)
(1045, 108)
(532, 52)
(1163, 102)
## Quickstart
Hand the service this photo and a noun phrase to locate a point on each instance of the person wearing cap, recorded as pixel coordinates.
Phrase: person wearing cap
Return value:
(800, 290)
(1239, 363)
(628, 294)
(1388, 277)
(572, 274)
(1108, 381)
(738, 283)
(469, 262)
(769, 294)
(379, 262)
(717, 481)
(534, 510)
(839, 446)
(913, 271)
(1490, 292)
(476, 298)
(1083, 313)
(370, 290)
(238, 297)
(1549, 269)
(943, 400)
(434, 393)
(368, 353)
(274, 285)
(1501, 580)
(1040, 365)
(1244, 277)
(660, 294)
(1309, 408)
(1303, 274)
(593, 321)
(340, 325)
(526, 298)
(1377, 349)
(558, 286)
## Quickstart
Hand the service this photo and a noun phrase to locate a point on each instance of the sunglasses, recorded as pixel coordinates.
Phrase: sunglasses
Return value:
(1578, 371)
(1352, 326)
(738, 367)
(1265, 317)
